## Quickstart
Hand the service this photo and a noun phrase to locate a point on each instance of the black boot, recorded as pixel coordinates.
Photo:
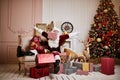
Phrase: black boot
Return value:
(56, 66)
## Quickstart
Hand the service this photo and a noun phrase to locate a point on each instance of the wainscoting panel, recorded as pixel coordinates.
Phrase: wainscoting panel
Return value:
(17, 17)
(12, 51)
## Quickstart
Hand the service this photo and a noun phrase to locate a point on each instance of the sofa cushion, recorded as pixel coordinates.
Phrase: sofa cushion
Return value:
(30, 58)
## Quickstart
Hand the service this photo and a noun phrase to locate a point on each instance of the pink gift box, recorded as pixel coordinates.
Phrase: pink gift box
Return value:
(80, 72)
(91, 67)
(61, 69)
(52, 35)
(45, 58)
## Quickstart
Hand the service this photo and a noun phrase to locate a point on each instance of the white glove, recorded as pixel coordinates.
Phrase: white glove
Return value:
(34, 51)
(37, 29)
(73, 34)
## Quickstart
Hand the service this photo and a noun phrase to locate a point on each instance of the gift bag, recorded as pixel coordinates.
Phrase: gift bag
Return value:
(44, 59)
(85, 66)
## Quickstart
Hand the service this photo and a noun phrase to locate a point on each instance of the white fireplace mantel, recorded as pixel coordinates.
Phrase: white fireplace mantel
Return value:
(71, 43)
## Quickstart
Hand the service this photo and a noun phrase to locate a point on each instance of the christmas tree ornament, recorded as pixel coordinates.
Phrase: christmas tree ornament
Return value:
(99, 39)
(114, 22)
(105, 11)
(106, 47)
(107, 43)
(110, 33)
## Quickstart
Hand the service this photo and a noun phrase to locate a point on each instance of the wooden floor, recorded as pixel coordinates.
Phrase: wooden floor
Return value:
(10, 72)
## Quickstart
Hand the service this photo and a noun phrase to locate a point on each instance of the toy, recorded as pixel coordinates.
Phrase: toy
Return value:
(35, 44)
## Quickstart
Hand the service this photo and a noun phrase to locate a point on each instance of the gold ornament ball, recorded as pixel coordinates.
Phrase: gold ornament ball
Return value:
(106, 47)
(99, 40)
(105, 10)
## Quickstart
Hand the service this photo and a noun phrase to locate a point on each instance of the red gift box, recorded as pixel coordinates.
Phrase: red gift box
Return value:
(107, 65)
(39, 72)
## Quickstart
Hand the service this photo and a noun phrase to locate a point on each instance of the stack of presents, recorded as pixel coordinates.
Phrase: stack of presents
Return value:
(84, 68)
(44, 66)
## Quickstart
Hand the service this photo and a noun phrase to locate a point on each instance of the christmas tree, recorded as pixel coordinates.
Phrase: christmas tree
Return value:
(104, 35)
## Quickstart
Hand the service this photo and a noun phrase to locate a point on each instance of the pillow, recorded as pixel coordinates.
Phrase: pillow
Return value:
(52, 35)
(26, 42)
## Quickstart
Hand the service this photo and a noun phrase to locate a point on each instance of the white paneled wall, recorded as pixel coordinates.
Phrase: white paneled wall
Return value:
(79, 12)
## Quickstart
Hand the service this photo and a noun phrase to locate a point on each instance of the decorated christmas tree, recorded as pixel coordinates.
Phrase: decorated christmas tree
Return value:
(104, 35)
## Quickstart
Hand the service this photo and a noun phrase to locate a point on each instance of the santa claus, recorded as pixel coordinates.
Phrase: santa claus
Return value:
(54, 40)
(54, 37)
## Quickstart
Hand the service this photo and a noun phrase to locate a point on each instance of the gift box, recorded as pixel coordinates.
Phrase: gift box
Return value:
(96, 68)
(61, 69)
(107, 65)
(68, 71)
(63, 57)
(74, 68)
(85, 66)
(80, 72)
(77, 64)
(91, 67)
(51, 67)
(44, 59)
(66, 65)
(39, 72)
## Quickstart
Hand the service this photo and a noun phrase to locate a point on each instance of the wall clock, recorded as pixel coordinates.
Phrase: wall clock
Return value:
(67, 27)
